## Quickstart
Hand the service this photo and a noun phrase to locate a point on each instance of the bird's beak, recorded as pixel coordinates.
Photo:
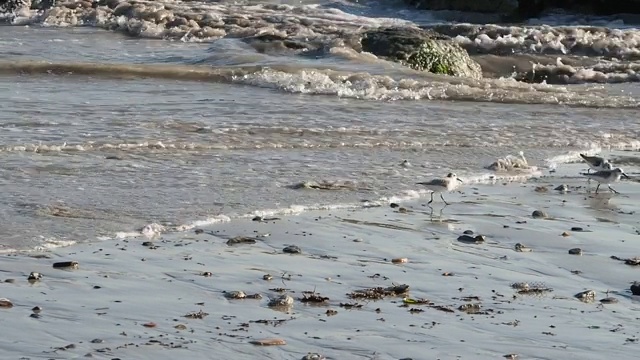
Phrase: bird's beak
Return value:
(625, 175)
(459, 179)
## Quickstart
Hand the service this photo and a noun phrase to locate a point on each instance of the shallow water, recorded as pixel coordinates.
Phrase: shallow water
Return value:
(104, 133)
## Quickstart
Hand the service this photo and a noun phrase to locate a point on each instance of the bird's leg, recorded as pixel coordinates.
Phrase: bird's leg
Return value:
(430, 201)
(445, 201)
(610, 188)
(597, 187)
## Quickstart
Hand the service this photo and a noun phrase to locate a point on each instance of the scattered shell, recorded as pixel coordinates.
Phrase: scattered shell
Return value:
(268, 342)
(313, 356)
(479, 239)
(207, 274)
(267, 277)
(586, 296)
(66, 264)
(5, 303)
(447, 274)
(358, 240)
(609, 300)
(565, 234)
(150, 325)
(522, 248)
(379, 292)
(575, 251)
(34, 276)
(399, 260)
(196, 315)
(470, 308)
(241, 240)
(635, 288)
(180, 327)
(539, 214)
(562, 188)
(282, 300)
(36, 309)
(292, 249)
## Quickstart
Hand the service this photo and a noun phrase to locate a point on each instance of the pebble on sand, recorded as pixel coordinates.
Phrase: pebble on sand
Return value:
(66, 265)
(5, 303)
(539, 214)
(575, 251)
(635, 288)
(400, 260)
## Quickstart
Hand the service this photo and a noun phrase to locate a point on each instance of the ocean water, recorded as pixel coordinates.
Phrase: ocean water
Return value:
(115, 123)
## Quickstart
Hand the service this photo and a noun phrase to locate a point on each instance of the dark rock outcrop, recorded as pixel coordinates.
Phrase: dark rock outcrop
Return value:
(512, 10)
(422, 50)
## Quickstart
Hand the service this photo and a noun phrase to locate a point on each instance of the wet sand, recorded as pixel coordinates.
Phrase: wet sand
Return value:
(128, 298)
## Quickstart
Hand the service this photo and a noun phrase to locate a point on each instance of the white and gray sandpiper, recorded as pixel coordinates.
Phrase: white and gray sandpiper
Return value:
(606, 177)
(597, 163)
(440, 185)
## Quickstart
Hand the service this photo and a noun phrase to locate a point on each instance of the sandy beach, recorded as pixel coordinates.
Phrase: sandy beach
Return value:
(171, 296)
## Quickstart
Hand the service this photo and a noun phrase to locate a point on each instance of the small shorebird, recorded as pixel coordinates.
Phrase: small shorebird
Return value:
(596, 163)
(448, 183)
(606, 177)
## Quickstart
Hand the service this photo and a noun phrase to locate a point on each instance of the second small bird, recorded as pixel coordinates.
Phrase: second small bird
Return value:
(448, 183)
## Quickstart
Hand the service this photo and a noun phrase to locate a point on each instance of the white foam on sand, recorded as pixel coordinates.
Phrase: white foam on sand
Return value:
(101, 308)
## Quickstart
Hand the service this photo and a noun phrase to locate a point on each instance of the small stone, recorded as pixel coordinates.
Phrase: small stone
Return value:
(199, 231)
(447, 274)
(575, 251)
(35, 316)
(180, 327)
(400, 260)
(34, 276)
(10, 281)
(5, 303)
(257, 218)
(403, 210)
(577, 229)
(394, 205)
(97, 341)
(468, 232)
(313, 356)
(292, 249)
(235, 295)
(586, 296)
(150, 325)
(522, 248)
(609, 300)
(539, 214)
(479, 239)
(66, 265)
(562, 188)
(635, 288)
(358, 240)
(147, 244)
(268, 342)
(331, 312)
(207, 274)
(36, 309)
(565, 234)
(541, 189)
(267, 277)
(282, 300)
(510, 356)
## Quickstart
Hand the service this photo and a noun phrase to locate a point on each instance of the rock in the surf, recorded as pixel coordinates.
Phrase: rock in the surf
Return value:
(421, 50)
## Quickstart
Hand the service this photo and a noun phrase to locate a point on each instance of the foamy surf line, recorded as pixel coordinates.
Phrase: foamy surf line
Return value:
(323, 81)
(378, 283)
